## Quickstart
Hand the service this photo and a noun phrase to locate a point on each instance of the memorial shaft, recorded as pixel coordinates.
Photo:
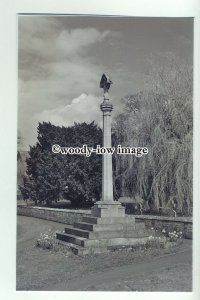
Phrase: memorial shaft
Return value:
(107, 176)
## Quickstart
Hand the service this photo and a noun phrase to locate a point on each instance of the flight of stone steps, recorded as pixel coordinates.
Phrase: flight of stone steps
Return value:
(98, 235)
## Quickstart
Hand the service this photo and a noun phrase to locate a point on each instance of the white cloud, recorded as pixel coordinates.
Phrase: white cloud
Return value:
(70, 43)
(84, 108)
(42, 37)
(53, 70)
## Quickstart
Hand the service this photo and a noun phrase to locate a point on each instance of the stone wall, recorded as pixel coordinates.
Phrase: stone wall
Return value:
(69, 216)
(66, 216)
(183, 224)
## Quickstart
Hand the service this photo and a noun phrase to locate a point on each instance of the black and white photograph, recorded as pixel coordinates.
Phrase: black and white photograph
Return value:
(104, 153)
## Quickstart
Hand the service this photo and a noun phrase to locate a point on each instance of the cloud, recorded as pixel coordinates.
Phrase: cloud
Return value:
(42, 38)
(53, 70)
(84, 108)
(62, 58)
(65, 81)
(73, 42)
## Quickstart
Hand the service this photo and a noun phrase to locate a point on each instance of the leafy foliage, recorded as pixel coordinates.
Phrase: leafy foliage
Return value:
(159, 118)
(51, 176)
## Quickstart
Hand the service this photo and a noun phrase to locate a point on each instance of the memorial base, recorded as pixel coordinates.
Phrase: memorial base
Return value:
(106, 229)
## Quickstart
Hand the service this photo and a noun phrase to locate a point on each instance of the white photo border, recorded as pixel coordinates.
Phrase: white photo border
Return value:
(9, 10)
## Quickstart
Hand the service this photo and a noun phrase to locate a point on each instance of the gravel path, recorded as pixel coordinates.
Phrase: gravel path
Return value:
(158, 270)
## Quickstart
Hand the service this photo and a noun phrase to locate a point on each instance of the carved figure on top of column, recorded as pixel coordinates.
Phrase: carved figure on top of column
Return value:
(105, 84)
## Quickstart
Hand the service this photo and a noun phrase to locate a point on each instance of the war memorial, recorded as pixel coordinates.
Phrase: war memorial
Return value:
(108, 227)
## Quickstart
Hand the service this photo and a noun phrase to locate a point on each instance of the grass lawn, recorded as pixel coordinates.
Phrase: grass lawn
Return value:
(39, 269)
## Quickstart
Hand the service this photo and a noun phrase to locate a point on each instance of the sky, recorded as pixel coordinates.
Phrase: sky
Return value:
(61, 60)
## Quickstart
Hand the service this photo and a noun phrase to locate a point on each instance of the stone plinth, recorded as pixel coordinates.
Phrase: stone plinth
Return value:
(112, 209)
(108, 227)
(102, 232)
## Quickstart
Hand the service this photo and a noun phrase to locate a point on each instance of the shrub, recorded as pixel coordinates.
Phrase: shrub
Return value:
(46, 240)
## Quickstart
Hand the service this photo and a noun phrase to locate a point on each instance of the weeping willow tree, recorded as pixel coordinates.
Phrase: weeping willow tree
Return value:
(159, 118)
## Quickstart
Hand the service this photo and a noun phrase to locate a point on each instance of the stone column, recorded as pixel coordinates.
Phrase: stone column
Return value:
(107, 209)
(107, 175)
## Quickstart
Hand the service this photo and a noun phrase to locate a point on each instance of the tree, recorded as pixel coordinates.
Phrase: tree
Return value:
(159, 118)
(51, 176)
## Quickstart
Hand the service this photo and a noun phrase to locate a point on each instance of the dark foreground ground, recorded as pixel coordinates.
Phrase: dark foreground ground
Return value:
(154, 270)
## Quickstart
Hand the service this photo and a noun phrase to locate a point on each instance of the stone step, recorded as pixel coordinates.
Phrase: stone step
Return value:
(92, 249)
(76, 240)
(114, 242)
(129, 232)
(75, 249)
(85, 249)
(91, 220)
(102, 246)
(77, 232)
(85, 226)
(109, 220)
(104, 227)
